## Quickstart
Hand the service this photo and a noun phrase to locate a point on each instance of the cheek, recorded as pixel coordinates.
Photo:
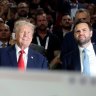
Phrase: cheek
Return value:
(30, 39)
(76, 36)
(30, 35)
(17, 37)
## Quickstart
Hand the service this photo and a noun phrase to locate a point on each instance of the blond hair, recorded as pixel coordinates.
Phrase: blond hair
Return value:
(20, 23)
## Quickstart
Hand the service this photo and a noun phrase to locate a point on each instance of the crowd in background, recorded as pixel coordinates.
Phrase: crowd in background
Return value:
(54, 20)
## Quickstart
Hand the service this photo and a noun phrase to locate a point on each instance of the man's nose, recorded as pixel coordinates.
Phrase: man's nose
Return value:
(25, 33)
(81, 32)
(42, 22)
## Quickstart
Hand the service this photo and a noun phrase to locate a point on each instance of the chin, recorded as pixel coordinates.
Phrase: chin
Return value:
(82, 43)
(24, 46)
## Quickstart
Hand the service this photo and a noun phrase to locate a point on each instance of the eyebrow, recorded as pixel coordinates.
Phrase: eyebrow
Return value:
(81, 29)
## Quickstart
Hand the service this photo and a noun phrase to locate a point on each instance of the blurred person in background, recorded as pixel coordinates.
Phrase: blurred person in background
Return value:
(22, 10)
(82, 15)
(4, 7)
(5, 35)
(64, 28)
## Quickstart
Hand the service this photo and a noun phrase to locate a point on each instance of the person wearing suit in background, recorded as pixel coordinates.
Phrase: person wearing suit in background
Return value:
(73, 61)
(32, 60)
(4, 35)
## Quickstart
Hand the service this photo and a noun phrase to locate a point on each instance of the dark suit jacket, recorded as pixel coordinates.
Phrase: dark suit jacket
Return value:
(71, 61)
(35, 60)
(38, 48)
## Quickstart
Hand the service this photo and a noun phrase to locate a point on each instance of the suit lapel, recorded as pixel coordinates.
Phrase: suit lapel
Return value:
(13, 57)
(31, 57)
(77, 63)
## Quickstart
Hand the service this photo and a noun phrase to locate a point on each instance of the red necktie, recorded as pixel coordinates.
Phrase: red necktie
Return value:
(21, 65)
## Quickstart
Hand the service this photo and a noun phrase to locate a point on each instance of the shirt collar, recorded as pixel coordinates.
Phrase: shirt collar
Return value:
(18, 49)
(2, 43)
(89, 47)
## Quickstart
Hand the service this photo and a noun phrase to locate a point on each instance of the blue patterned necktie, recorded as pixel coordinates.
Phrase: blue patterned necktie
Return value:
(86, 67)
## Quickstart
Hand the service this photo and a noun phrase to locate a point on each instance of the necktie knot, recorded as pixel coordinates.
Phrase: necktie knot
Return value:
(84, 50)
(22, 51)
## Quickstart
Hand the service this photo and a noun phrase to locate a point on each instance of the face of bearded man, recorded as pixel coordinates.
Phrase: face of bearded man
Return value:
(42, 22)
(23, 10)
(23, 13)
(66, 22)
(82, 34)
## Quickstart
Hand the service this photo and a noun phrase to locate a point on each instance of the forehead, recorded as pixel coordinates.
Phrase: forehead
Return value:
(22, 5)
(43, 16)
(66, 16)
(81, 15)
(3, 26)
(23, 27)
(81, 26)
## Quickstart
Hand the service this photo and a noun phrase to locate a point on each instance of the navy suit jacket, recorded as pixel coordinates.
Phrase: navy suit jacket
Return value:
(35, 60)
(71, 61)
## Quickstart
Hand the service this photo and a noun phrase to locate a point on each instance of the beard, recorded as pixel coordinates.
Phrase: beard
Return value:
(83, 42)
(23, 14)
(42, 27)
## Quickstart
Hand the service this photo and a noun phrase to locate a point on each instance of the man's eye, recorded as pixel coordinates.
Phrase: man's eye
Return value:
(21, 32)
(77, 31)
(29, 32)
(84, 30)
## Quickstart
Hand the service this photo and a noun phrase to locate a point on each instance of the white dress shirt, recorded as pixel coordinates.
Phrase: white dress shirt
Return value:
(92, 59)
(25, 55)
